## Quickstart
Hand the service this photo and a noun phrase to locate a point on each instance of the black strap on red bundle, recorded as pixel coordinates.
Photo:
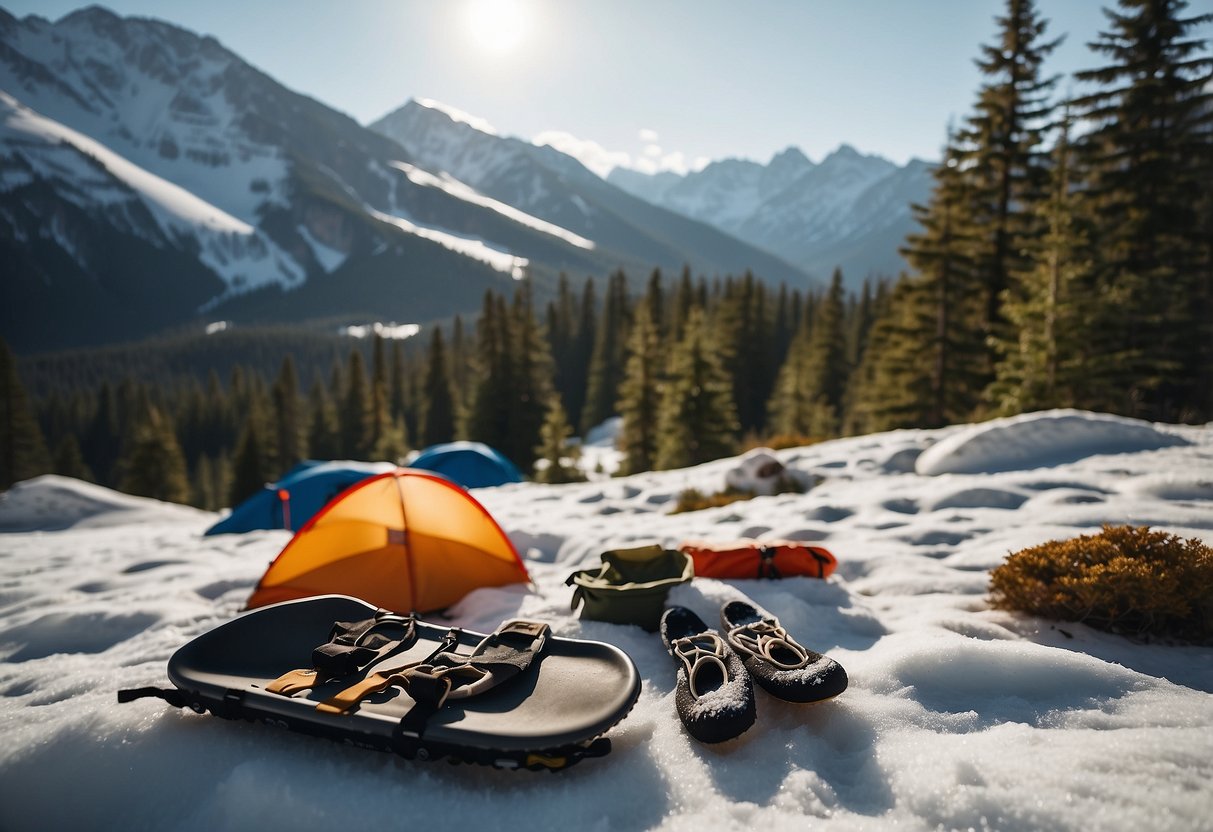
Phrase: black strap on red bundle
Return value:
(766, 563)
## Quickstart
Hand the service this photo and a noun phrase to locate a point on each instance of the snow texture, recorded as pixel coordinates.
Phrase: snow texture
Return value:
(957, 715)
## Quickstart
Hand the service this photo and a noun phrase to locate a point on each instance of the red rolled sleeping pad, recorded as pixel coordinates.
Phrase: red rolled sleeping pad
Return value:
(759, 559)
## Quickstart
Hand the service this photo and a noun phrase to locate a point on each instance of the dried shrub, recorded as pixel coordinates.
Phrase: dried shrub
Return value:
(1126, 579)
(692, 499)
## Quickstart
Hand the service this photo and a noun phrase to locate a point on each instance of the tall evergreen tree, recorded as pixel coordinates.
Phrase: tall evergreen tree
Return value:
(324, 431)
(487, 419)
(69, 461)
(250, 465)
(928, 366)
(355, 414)
(531, 375)
(23, 451)
(1148, 151)
(554, 450)
(438, 417)
(103, 436)
(379, 417)
(607, 361)
(562, 334)
(808, 395)
(290, 429)
(154, 465)
(397, 403)
(891, 387)
(1003, 154)
(640, 394)
(582, 351)
(698, 420)
(684, 300)
(1049, 363)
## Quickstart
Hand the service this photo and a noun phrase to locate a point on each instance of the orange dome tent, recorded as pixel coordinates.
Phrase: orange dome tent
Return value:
(405, 540)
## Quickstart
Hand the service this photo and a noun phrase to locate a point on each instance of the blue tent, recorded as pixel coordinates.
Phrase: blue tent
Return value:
(471, 464)
(301, 492)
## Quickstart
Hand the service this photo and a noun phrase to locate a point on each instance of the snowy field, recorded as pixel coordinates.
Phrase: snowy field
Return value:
(957, 716)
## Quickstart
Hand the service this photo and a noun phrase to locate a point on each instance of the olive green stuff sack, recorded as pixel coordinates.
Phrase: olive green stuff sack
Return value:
(631, 585)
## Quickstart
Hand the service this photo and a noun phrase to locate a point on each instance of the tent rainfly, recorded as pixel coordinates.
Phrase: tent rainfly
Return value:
(295, 499)
(471, 464)
(405, 540)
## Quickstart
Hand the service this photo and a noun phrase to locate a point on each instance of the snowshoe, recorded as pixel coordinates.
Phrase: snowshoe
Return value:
(516, 698)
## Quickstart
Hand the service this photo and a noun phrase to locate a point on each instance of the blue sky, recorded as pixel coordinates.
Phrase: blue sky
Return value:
(662, 83)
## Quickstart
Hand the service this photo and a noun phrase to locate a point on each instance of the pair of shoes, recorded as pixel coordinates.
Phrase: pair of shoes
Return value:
(715, 691)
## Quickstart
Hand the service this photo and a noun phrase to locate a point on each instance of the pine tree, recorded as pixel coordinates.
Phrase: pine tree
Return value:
(698, 420)
(355, 414)
(933, 364)
(324, 431)
(397, 404)
(684, 300)
(459, 363)
(487, 419)
(561, 335)
(891, 386)
(606, 363)
(1050, 364)
(582, 352)
(103, 436)
(392, 444)
(379, 418)
(1148, 151)
(23, 451)
(640, 395)
(743, 338)
(69, 461)
(289, 433)
(558, 457)
(250, 466)
(809, 392)
(202, 493)
(1002, 153)
(438, 418)
(154, 465)
(531, 373)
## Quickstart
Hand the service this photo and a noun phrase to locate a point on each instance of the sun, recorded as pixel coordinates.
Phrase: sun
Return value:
(496, 26)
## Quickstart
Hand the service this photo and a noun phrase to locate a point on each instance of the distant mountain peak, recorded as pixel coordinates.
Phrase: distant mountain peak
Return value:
(790, 155)
(457, 115)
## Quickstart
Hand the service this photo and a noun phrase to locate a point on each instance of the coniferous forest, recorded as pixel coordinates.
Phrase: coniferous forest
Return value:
(1064, 259)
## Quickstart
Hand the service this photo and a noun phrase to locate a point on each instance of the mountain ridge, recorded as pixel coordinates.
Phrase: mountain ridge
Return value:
(334, 218)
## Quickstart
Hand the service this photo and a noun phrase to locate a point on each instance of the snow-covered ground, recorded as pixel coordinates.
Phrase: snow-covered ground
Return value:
(957, 716)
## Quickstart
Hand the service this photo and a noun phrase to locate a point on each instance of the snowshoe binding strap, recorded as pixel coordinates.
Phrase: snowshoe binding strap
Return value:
(352, 646)
(444, 675)
(702, 656)
(769, 641)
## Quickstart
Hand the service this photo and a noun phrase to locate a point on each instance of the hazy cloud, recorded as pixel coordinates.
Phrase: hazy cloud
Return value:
(590, 153)
(647, 136)
(651, 159)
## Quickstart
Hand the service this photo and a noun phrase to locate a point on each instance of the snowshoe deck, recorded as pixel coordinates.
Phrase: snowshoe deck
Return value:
(547, 717)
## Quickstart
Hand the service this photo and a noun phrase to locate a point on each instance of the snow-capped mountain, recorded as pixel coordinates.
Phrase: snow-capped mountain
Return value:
(850, 210)
(557, 188)
(149, 176)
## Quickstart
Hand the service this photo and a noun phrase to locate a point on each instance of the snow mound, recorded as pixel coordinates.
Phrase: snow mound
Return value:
(52, 503)
(1040, 440)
